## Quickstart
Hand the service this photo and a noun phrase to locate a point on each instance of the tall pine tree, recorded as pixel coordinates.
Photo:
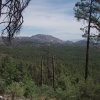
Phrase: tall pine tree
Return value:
(88, 10)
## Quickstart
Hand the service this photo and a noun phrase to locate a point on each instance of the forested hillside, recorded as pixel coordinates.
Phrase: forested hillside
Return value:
(49, 71)
(37, 66)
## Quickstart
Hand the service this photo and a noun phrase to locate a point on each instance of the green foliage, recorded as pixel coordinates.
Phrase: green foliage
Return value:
(89, 11)
(83, 8)
(20, 68)
(87, 90)
(47, 91)
(61, 94)
(2, 86)
(15, 89)
(30, 88)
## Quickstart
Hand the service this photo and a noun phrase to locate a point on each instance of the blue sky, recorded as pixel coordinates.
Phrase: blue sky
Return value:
(51, 17)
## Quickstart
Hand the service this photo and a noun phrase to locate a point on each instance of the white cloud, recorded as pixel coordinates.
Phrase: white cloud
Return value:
(57, 23)
(55, 18)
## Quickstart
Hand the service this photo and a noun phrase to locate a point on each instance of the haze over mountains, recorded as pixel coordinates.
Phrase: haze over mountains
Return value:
(41, 38)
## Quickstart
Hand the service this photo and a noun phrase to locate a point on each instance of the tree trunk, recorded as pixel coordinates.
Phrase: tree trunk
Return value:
(41, 71)
(88, 43)
(53, 67)
(13, 96)
(31, 98)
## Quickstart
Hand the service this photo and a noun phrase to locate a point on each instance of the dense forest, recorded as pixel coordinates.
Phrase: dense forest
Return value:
(40, 71)
(43, 72)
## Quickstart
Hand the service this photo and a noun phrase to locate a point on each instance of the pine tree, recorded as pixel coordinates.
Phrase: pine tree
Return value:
(88, 10)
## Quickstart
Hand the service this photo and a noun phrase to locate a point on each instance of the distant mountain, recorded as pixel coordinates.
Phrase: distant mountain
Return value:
(68, 43)
(39, 38)
(84, 42)
(46, 39)
(80, 43)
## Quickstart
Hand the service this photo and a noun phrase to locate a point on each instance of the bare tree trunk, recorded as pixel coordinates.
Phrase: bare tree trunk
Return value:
(49, 72)
(31, 98)
(53, 67)
(13, 96)
(41, 71)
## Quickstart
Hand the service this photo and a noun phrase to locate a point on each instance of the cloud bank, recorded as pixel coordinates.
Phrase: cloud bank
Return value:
(55, 17)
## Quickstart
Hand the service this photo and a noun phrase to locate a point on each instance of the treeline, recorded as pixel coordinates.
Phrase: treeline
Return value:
(49, 72)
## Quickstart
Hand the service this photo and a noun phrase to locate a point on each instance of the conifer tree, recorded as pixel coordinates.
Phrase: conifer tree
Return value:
(88, 10)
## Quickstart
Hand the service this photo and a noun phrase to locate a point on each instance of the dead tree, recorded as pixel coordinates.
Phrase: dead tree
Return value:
(53, 74)
(41, 71)
(13, 18)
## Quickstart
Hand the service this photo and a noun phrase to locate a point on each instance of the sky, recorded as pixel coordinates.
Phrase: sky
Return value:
(51, 17)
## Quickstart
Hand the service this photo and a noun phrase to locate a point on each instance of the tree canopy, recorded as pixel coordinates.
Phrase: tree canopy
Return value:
(82, 11)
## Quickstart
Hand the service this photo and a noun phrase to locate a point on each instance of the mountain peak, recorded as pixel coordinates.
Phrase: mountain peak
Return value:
(45, 39)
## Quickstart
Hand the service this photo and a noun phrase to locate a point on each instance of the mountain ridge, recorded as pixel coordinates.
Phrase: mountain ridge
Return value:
(49, 39)
(40, 38)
